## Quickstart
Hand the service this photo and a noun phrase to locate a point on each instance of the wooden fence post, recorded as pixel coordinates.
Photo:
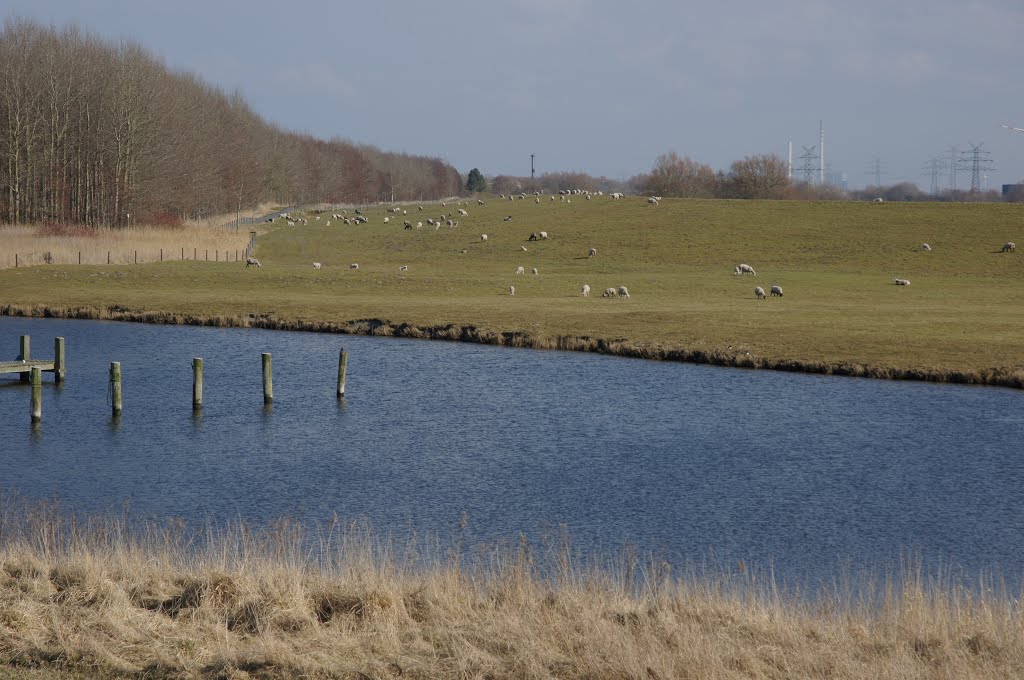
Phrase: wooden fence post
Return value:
(58, 360)
(115, 388)
(197, 384)
(37, 394)
(24, 346)
(342, 368)
(268, 379)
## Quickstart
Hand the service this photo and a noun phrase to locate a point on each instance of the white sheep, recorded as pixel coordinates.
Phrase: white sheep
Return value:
(251, 262)
(759, 293)
(609, 292)
(511, 290)
(623, 293)
(652, 201)
(386, 220)
(776, 291)
(520, 270)
(404, 268)
(316, 265)
(745, 269)
(533, 271)
(479, 202)
(419, 225)
(543, 235)
(522, 248)
(585, 291)
(1008, 247)
(901, 282)
(354, 265)
(483, 237)
(592, 253)
(925, 246)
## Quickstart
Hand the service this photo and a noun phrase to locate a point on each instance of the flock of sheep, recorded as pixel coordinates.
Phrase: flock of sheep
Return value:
(446, 219)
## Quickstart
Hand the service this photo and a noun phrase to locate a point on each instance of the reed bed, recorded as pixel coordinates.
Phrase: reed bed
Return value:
(106, 596)
(207, 240)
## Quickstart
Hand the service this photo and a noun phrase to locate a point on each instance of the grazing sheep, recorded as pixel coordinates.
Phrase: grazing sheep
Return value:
(329, 222)
(745, 269)
(511, 290)
(925, 246)
(536, 200)
(776, 291)
(533, 271)
(522, 248)
(408, 224)
(533, 236)
(404, 268)
(520, 270)
(354, 265)
(479, 202)
(759, 293)
(1008, 247)
(420, 208)
(543, 235)
(483, 237)
(463, 212)
(251, 262)
(419, 225)
(585, 291)
(652, 201)
(609, 292)
(507, 218)
(316, 265)
(386, 220)
(901, 282)
(592, 253)
(430, 220)
(623, 293)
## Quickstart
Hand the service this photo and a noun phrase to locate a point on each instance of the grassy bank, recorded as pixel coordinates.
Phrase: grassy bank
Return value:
(100, 597)
(958, 320)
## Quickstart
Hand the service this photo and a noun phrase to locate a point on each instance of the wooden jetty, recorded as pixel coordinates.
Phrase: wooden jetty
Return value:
(24, 364)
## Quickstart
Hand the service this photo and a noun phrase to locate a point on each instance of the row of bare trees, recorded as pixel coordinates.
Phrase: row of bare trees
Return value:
(105, 134)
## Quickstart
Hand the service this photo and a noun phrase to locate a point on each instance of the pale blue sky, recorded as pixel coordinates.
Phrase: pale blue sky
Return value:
(605, 87)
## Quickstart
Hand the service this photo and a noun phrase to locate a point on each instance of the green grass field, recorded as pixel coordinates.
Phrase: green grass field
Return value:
(835, 261)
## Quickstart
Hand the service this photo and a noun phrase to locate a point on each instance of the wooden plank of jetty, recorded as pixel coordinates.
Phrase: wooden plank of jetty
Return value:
(26, 366)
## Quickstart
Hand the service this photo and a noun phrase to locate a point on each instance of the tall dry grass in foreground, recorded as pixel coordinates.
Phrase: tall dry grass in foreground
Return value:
(105, 597)
(207, 239)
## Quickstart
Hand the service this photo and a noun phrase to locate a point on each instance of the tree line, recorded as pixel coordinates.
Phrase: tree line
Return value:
(105, 134)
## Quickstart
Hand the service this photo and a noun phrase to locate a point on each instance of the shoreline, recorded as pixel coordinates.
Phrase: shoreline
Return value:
(510, 338)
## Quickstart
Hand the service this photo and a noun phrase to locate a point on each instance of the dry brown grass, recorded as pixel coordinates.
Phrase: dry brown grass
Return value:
(206, 239)
(101, 597)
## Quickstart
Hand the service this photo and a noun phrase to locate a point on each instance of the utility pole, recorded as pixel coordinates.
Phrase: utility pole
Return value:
(531, 165)
(808, 157)
(978, 164)
(932, 169)
(821, 152)
(875, 167)
(954, 161)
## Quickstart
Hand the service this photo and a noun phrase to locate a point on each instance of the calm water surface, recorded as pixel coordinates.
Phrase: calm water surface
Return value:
(807, 473)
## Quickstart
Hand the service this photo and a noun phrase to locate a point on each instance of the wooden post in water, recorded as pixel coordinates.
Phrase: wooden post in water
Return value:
(197, 384)
(115, 388)
(37, 394)
(24, 345)
(58, 360)
(342, 367)
(268, 379)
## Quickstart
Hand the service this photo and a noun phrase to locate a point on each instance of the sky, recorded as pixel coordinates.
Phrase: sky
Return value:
(605, 87)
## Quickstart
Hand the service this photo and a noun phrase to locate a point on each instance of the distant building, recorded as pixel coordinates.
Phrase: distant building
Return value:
(1013, 192)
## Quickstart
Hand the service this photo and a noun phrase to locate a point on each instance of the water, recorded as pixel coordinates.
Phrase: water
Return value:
(806, 473)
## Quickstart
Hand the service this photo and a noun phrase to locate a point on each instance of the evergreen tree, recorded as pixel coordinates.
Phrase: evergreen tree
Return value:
(476, 182)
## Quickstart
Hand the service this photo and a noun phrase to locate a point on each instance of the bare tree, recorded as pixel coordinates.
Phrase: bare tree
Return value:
(762, 176)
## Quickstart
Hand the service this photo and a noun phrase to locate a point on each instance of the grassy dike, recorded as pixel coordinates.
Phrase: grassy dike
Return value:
(960, 319)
